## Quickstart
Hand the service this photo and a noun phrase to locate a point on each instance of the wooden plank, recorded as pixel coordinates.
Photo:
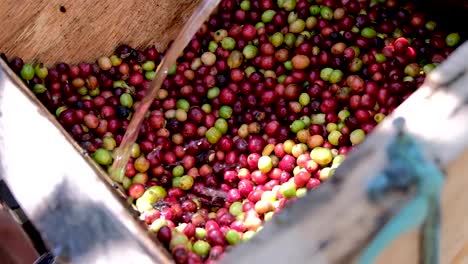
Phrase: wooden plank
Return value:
(333, 223)
(61, 190)
(38, 30)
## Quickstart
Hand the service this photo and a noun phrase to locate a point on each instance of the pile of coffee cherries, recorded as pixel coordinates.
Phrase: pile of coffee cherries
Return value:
(263, 105)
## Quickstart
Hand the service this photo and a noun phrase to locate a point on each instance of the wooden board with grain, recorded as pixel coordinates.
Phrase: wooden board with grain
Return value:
(72, 31)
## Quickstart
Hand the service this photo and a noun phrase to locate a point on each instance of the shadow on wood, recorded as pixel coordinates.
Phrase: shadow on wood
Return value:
(64, 217)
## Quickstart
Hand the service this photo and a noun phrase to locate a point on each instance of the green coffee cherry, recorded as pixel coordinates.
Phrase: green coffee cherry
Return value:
(109, 143)
(245, 5)
(222, 125)
(157, 224)
(225, 111)
(297, 26)
(102, 156)
(343, 114)
(39, 88)
(314, 10)
(213, 135)
(277, 39)
(126, 100)
(289, 5)
(248, 235)
(250, 51)
(27, 72)
(213, 93)
(172, 70)
(335, 76)
(201, 248)
(318, 119)
(200, 233)
(228, 43)
(268, 15)
(148, 65)
(304, 99)
(183, 104)
(334, 137)
(325, 74)
(178, 171)
(357, 136)
(322, 156)
(288, 189)
(301, 192)
(265, 164)
(151, 195)
(326, 173)
(297, 125)
(41, 71)
(368, 32)
(233, 237)
(150, 75)
(178, 239)
(326, 12)
(186, 182)
(452, 39)
(289, 39)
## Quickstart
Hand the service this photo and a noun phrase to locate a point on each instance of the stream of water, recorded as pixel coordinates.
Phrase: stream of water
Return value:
(122, 153)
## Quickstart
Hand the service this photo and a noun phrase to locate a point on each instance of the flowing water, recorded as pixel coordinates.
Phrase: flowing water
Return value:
(122, 153)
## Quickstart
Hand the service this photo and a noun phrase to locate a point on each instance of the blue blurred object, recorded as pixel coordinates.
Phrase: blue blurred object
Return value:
(408, 167)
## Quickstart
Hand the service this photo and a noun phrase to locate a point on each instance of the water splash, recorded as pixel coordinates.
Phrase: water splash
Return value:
(122, 153)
